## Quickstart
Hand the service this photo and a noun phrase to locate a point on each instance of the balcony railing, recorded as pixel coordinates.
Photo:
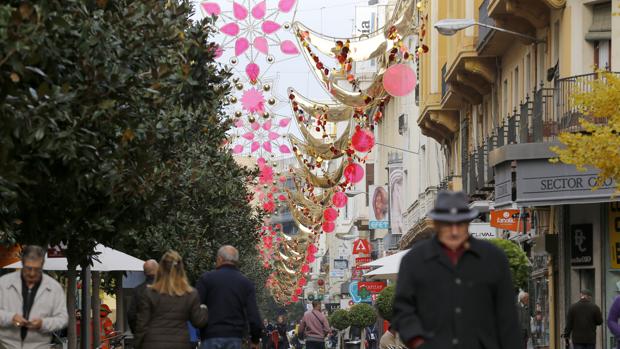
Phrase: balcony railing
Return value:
(420, 208)
(550, 112)
(483, 17)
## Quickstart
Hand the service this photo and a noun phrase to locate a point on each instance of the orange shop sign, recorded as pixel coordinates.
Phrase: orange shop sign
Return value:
(505, 219)
(509, 220)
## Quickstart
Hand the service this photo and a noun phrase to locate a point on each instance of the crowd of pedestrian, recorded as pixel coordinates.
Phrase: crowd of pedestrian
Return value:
(453, 291)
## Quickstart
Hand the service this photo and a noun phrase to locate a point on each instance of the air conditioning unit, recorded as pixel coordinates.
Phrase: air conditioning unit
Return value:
(402, 124)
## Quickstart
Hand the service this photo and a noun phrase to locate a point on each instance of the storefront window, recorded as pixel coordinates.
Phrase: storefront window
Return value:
(539, 295)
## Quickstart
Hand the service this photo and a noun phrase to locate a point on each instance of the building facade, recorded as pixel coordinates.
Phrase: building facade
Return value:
(496, 102)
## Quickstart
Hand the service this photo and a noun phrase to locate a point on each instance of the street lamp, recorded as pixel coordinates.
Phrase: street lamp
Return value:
(451, 26)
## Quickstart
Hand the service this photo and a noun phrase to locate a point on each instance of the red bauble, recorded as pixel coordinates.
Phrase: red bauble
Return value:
(330, 214)
(305, 268)
(363, 140)
(299, 291)
(295, 298)
(340, 199)
(354, 173)
(302, 282)
(328, 227)
(320, 282)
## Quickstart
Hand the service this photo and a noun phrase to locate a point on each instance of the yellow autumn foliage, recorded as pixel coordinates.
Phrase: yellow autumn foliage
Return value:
(598, 145)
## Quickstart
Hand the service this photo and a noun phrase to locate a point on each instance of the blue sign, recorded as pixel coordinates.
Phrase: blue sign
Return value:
(355, 296)
(378, 225)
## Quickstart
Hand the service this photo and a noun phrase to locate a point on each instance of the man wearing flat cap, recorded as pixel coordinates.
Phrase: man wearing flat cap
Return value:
(455, 291)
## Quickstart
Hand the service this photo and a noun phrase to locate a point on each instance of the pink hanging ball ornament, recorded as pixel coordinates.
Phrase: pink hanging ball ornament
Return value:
(288, 47)
(231, 29)
(270, 27)
(259, 10)
(239, 11)
(261, 45)
(211, 8)
(286, 5)
(330, 214)
(241, 45)
(252, 70)
(399, 80)
(340, 199)
(328, 227)
(363, 140)
(298, 291)
(295, 298)
(312, 249)
(302, 282)
(305, 268)
(310, 258)
(354, 173)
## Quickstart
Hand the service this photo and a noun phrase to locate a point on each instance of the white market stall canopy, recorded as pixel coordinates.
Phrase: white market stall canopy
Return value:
(388, 266)
(391, 259)
(107, 259)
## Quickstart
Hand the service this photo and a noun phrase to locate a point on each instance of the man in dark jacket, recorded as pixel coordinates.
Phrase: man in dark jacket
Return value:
(231, 300)
(454, 291)
(150, 270)
(581, 322)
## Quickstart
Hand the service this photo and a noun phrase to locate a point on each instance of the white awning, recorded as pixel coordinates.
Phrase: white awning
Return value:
(108, 259)
(391, 259)
(386, 272)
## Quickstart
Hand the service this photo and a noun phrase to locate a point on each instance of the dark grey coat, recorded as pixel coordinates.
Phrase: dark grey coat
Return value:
(162, 320)
(469, 306)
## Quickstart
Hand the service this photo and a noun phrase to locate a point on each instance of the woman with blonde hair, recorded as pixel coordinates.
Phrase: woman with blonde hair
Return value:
(167, 306)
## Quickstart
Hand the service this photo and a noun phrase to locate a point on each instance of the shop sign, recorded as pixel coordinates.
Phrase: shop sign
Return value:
(362, 267)
(341, 264)
(614, 233)
(582, 249)
(372, 287)
(539, 182)
(362, 260)
(361, 246)
(482, 231)
(338, 273)
(505, 219)
(332, 307)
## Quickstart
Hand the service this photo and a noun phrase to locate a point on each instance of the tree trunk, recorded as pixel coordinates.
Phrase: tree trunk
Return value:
(71, 288)
(96, 304)
(85, 337)
(120, 302)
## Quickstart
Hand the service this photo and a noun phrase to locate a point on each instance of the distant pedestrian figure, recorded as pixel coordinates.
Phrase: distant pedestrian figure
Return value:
(314, 327)
(372, 336)
(455, 291)
(266, 334)
(150, 270)
(612, 320)
(32, 304)
(231, 299)
(281, 340)
(167, 306)
(581, 322)
(523, 310)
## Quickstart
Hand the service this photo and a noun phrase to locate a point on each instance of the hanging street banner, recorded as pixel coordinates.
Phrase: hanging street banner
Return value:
(379, 206)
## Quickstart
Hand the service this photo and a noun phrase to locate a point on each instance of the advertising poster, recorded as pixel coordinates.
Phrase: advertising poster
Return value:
(379, 205)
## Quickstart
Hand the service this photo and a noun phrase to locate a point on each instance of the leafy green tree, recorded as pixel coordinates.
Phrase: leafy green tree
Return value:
(340, 319)
(385, 302)
(112, 132)
(362, 315)
(519, 264)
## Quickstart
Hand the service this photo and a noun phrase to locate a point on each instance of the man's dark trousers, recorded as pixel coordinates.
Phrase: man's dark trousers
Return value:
(315, 345)
(583, 346)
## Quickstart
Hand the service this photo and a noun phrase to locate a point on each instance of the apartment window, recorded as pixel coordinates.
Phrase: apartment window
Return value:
(600, 34)
(527, 84)
(602, 54)
(515, 90)
(370, 179)
(505, 98)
